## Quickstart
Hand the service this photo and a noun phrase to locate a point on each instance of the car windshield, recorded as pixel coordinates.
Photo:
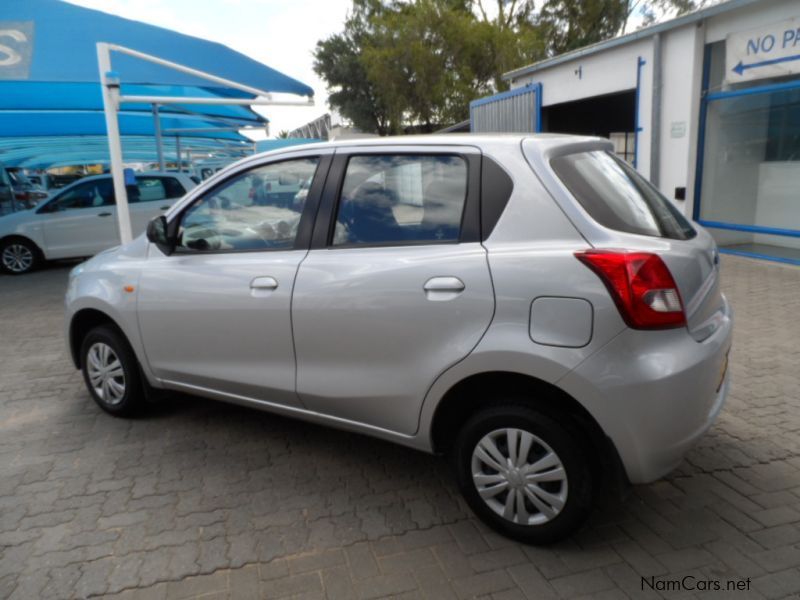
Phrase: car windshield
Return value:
(617, 197)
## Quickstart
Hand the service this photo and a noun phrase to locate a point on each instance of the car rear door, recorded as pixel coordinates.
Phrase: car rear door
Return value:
(396, 287)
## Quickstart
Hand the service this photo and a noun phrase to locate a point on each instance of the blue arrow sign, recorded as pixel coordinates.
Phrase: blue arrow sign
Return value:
(741, 67)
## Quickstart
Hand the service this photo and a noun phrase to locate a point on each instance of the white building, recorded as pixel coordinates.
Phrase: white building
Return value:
(706, 105)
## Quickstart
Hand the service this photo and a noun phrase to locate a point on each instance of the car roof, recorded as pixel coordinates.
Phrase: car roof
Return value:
(137, 174)
(480, 140)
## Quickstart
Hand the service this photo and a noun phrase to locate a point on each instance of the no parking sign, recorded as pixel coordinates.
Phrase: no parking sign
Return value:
(771, 51)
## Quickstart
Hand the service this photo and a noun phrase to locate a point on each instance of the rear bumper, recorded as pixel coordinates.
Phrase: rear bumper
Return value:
(654, 394)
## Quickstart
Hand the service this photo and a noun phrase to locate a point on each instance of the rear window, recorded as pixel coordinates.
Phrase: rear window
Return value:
(617, 197)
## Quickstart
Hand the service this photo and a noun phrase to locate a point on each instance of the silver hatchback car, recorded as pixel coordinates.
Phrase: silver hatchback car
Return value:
(528, 305)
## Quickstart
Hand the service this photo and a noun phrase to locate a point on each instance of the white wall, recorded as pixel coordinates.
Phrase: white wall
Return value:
(606, 72)
(681, 79)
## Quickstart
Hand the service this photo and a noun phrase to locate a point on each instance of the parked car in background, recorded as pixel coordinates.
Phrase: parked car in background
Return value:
(45, 181)
(39, 180)
(530, 306)
(17, 192)
(26, 192)
(81, 219)
(7, 200)
(63, 180)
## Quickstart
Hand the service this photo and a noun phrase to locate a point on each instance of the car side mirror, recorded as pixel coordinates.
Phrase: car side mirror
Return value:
(158, 234)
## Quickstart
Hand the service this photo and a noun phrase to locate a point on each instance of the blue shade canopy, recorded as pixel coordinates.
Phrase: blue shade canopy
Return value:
(56, 42)
(22, 123)
(44, 152)
(40, 95)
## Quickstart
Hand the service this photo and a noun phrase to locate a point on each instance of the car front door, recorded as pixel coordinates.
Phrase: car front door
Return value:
(396, 287)
(215, 315)
(81, 221)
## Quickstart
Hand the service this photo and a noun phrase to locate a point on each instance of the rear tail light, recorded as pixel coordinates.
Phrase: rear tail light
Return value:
(24, 195)
(641, 285)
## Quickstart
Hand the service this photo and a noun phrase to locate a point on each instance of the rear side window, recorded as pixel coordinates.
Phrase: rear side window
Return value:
(150, 189)
(398, 199)
(617, 197)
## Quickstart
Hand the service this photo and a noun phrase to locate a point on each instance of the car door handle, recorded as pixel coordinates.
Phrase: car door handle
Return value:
(165, 207)
(264, 283)
(444, 284)
(443, 288)
(105, 214)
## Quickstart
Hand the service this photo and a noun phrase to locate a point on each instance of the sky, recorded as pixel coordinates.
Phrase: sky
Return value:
(278, 33)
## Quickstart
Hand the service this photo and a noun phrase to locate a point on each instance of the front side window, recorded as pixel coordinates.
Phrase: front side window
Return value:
(256, 210)
(90, 194)
(617, 197)
(395, 199)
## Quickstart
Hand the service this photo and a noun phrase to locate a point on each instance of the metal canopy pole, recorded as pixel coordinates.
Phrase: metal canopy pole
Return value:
(159, 142)
(109, 83)
(112, 99)
(178, 153)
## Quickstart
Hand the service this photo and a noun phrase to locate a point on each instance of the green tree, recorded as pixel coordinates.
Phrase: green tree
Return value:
(571, 24)
(511, 37)
(417, 64)
(425, 59)
(338, 60)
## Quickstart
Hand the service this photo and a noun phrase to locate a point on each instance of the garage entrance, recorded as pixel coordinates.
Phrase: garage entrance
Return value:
(611, 116)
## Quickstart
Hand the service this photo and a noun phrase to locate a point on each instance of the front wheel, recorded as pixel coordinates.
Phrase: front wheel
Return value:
(19, 256)
(111, 372)
(523, 474)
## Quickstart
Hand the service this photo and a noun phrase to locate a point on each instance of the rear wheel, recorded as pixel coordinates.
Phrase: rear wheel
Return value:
(523, 474)
(111, 372)
(19, 256)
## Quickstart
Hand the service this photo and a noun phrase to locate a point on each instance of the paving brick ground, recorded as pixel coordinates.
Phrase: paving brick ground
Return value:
(206, 500)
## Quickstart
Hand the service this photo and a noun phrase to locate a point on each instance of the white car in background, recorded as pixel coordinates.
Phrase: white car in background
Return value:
(81, 219)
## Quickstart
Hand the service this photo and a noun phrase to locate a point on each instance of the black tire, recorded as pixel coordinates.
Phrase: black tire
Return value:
(576, 491)
(19, 256)
(132, 399)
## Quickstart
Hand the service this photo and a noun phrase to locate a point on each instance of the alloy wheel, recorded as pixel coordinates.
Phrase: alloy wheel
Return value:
(519, 476)
(17, 258)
